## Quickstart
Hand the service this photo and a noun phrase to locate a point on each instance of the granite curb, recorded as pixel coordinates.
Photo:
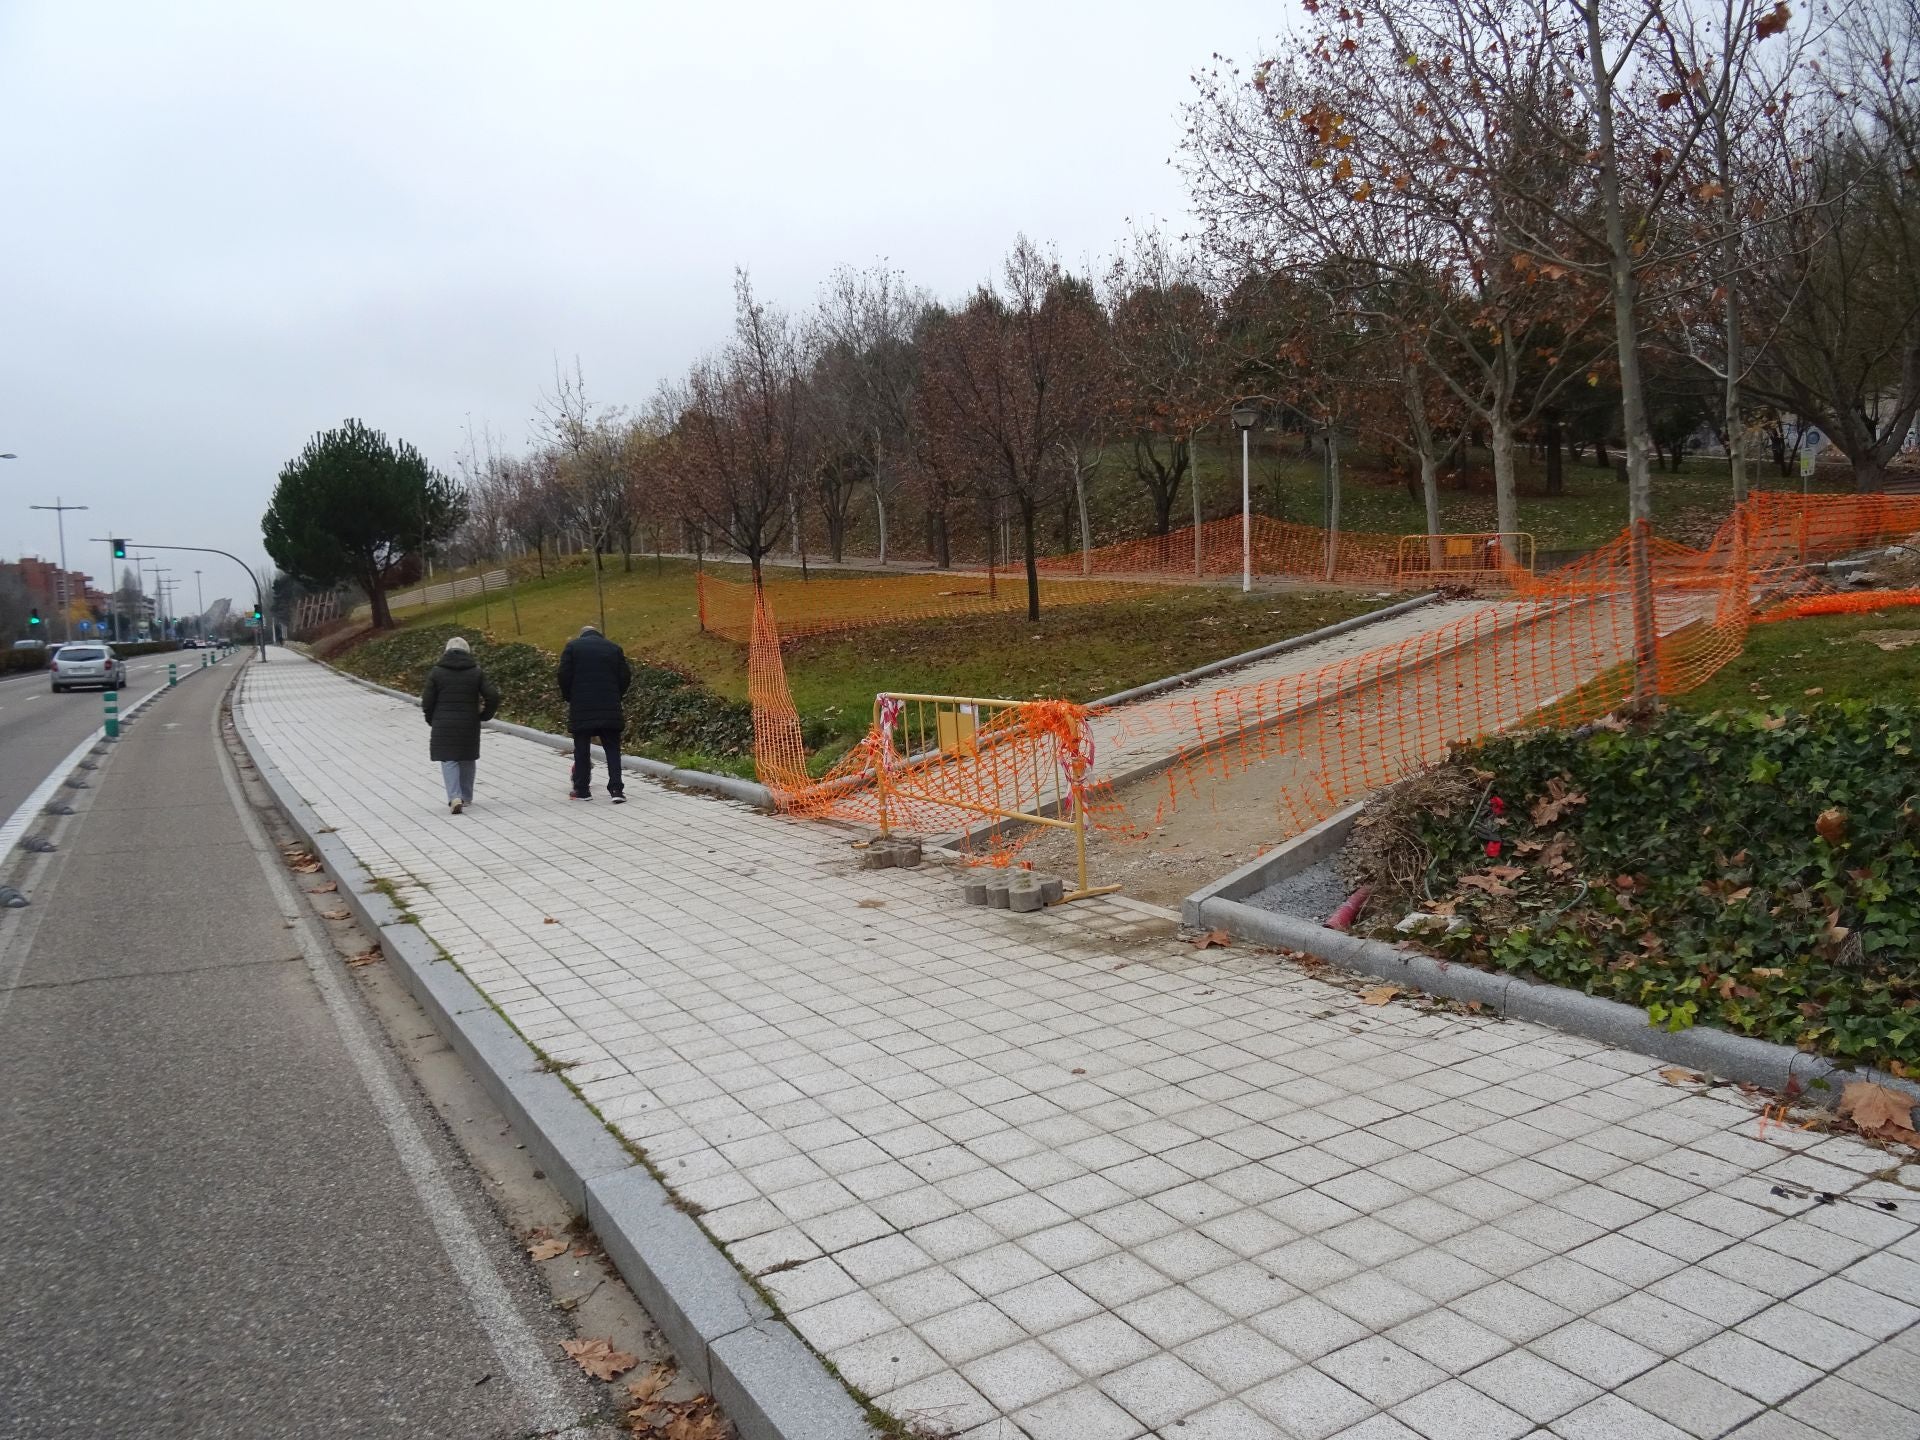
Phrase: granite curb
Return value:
(1764, 1063)
(767, 1381)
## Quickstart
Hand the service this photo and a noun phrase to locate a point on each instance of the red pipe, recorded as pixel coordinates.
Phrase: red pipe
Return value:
(1349, 911)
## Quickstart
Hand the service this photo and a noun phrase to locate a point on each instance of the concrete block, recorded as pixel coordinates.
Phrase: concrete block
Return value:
(772, 1388)
(1023, 896)
(997, 892)
(906, 853)
(974, 890)
(1052, 890)
(877, 856)
(690, 1289)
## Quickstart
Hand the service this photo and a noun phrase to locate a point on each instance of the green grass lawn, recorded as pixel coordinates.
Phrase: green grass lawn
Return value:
(1073, 652)
(1793, 663)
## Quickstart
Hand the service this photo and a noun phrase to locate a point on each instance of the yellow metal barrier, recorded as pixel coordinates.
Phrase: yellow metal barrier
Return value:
(1008, 759)
(1489, 555)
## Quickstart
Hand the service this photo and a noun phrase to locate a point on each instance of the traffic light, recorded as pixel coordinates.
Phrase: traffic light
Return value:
(33, 617)
(119, 549)
(256, 614)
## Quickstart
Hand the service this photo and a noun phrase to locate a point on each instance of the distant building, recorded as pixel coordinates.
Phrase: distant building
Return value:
(49, 587)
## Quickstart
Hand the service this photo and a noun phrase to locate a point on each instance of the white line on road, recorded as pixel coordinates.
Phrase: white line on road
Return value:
(513, 1341)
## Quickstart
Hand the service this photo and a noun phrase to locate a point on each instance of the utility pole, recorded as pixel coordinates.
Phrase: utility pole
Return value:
(200, 599)
(160, 595)
(66, 599)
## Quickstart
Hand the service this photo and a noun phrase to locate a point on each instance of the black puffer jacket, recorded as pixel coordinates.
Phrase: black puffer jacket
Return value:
(458, 700)
(594, 674)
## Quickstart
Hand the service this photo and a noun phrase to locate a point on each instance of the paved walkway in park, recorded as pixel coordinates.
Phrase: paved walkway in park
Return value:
(1066, 1177)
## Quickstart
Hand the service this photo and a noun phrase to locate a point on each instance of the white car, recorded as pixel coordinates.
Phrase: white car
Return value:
(81, 664)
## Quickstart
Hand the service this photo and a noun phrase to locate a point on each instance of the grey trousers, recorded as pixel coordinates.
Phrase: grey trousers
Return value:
(459, 777)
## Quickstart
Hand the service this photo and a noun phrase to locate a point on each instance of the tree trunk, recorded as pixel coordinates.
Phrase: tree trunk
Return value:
(1199, 556)
(1086, 535)
(1506, 503)
(540, 555)
(1646, 637)
(599, 589)
(1033, 566)
(1430, 492)
(879, 500)
(1556, 466)
(377, 599)
(942, 543)
(1333, 500)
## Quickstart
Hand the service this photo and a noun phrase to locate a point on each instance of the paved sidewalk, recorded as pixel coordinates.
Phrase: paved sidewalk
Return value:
(1064, 1177)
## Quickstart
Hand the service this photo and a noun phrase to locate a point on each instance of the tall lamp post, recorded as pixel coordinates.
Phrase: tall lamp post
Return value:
(200, 599)
(66, 600)
(1246, 414)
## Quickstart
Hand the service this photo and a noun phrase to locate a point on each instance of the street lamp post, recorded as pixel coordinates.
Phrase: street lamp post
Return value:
(1246, 415)
(66, 600)
(200, 599)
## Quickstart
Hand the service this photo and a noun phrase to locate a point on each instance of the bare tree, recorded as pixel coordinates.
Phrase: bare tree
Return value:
(1168, 367)
(863, 335)
(586, 440)
(1010, 375)
(740, 421)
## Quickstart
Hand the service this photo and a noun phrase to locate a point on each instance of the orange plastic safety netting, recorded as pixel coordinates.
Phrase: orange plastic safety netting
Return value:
(1641, 613)
(1268, 549)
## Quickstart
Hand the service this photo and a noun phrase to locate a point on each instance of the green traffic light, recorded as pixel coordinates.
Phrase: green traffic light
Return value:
(34, 618)
(119, 549)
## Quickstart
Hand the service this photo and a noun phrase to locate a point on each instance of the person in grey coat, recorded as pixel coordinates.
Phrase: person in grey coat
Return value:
(458, 700)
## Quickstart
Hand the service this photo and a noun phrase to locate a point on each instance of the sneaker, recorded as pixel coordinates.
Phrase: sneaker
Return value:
(572, 796)
(454, 806)
(619, 799)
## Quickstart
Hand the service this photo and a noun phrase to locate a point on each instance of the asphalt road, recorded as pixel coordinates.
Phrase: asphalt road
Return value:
(38, 728)
(225, 1210)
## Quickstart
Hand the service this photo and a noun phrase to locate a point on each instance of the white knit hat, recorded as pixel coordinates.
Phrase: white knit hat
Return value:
(459, 642)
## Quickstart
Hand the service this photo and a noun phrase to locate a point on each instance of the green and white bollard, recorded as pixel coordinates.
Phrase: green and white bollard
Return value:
(173, 673)
(113, 714)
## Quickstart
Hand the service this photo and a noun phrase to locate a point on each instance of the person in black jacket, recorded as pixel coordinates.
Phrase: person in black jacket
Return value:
(458, 700)
(594, 674)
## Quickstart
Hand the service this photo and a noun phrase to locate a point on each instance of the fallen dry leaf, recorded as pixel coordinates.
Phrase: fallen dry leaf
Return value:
(369, 957)
(1211, 939)
(547, 1249)
(871, 904)
(333, 914)
(326, 889)
(1674, 1075)
(1814, 690)
(598, 1358)
(1832, 825)
(1882, 1113)
(549, 921)
(651, 1385)
(1489, 883)
(312, 867)
(1379, 994)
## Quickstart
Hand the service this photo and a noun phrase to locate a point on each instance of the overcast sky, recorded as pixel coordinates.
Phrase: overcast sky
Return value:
(225, 226)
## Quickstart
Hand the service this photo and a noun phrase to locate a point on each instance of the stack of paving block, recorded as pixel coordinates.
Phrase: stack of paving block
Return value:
(890, 852)
(1018, 890)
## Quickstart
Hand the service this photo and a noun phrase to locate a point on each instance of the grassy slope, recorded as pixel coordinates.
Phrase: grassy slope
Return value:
(1783, 662)
(1078, 652)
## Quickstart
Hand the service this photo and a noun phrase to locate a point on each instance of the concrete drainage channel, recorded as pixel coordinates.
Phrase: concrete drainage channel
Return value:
(1223, 906)
(726, 1337)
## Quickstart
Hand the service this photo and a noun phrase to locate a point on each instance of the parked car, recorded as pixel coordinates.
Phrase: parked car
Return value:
(29, 644)
(189, 644)
(78, 665)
